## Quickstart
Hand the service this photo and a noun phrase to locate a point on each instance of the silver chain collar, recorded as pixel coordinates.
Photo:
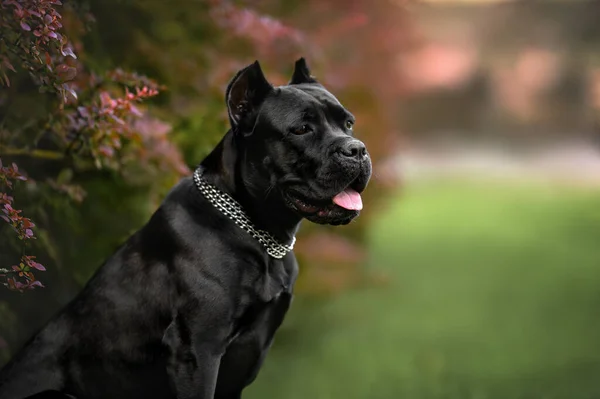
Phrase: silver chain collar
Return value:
(230, 207)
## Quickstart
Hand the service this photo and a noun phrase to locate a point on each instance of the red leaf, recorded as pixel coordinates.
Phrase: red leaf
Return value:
(66, 72)
(37, 266)
(36, 284)
(72, 94)
(6, 79)
(134, 110)
(67, 51)
(117, 119)
(14, 3)
(5, 198)
(106, 100)
(8, 65)
(19, 285)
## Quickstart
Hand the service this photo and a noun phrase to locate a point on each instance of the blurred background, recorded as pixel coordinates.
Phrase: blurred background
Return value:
(473, 272)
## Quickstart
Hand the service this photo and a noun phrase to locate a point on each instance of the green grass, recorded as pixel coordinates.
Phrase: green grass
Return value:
(493, 292)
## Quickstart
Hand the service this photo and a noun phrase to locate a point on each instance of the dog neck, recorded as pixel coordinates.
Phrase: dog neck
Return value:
(225, 168)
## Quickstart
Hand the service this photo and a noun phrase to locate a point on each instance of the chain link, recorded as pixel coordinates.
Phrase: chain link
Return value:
(232, 209)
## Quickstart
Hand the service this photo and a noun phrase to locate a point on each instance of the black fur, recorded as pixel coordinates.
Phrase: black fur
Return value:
(188, 306)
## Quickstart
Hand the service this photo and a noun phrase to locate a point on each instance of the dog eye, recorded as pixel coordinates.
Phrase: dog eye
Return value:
(302, 129)
(349, 124)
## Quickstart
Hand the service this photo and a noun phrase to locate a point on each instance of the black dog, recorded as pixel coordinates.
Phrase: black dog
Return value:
(188, 306)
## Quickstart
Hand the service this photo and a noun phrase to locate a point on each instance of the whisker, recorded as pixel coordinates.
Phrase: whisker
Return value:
(269, 189)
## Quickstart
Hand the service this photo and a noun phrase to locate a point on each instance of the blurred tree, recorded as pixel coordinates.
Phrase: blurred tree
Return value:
(97, 163)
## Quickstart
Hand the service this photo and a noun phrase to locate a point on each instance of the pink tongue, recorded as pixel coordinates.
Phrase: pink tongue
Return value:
(349, 199)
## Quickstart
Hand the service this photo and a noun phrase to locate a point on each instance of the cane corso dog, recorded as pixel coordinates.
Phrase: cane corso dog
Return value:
(187, 307)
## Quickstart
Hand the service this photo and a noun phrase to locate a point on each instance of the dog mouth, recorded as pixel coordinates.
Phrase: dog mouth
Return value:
(348, 199)
(339, 209)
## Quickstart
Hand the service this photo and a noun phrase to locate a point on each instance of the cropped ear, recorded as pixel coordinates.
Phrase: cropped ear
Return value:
(245, 93)
(301, 73)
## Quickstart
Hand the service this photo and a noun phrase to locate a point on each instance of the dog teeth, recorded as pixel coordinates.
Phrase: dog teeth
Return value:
(303, 203)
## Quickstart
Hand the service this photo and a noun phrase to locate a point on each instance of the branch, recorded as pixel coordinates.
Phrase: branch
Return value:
(41, 154)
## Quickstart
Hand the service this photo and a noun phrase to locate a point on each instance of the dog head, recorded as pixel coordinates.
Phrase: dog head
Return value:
(297, 145)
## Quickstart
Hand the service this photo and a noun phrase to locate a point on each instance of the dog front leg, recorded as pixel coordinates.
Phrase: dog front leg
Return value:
(195, 376)
(193, 364)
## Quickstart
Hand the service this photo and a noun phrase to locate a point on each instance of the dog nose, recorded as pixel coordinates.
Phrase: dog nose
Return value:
(354, 149)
